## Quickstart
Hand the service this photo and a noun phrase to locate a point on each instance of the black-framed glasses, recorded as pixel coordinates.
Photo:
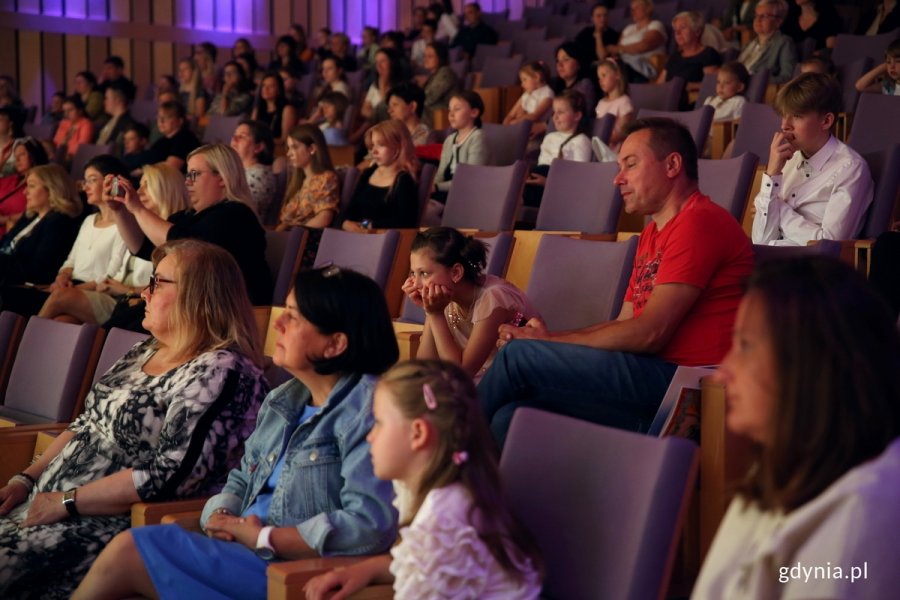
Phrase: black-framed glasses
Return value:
(155, 280)
(194, 174)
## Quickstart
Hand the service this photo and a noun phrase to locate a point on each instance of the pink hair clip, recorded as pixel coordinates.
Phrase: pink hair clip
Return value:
(430, 399)
(460, 457)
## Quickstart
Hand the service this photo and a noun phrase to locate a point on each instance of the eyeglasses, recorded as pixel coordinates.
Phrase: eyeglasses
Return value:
(155, 280)
(194, 174)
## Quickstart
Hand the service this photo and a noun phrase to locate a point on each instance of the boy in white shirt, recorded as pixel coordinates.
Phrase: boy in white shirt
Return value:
(815, 187)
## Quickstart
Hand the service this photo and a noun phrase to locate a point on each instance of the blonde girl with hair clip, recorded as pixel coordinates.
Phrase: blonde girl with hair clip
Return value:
(537, 97)
(386, 194)
(458, 537)
(615, 101)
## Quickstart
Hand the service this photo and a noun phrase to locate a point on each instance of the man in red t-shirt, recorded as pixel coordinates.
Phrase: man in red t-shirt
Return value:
(679, 308)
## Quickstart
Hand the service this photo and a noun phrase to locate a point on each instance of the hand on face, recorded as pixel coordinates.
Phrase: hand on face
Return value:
(412, 292)
(435, 297)
(781, 150)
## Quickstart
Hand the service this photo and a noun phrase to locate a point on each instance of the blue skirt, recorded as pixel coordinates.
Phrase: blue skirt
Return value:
(183, 564)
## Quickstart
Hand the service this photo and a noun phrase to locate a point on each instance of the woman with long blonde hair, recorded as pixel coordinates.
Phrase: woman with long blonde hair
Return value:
(386, 194)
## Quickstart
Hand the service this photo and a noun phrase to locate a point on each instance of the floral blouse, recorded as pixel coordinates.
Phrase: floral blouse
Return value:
(318, 193)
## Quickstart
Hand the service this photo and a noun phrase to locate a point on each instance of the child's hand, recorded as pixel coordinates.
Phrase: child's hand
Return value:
(435, 298)
(780, 151)
(412, 292)
(345, 581)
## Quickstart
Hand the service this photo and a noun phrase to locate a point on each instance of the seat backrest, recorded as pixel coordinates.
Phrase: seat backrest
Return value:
(116, 345)
(756, 89)
(85, 153)
(484, 197)
(461, 68)
(605, 506)
(567, 300)
(707, 89)
(560, 25)
(273, 211)
(657, 96)
(522, 39)
(885, 168)
(507, 143)
(764, 253)
(499, 72)
(493, 18)
(368, 253)
(566, 206)
(537, 16)
(39, 131)
(603, 127)
(848, 74)
(143, 111)
(284, 250)
(220, 129)
(483, 51)
(545, 51)
(727, 181)
(848, 48)
(356, 82)
(761, 122)
(426, 184)
(46, 378)
(697, 121)
(351, 174)
(876, 123)
(11, 327)
(507, 29)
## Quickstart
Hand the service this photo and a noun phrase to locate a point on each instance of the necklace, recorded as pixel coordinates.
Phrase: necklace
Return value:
(455, 314)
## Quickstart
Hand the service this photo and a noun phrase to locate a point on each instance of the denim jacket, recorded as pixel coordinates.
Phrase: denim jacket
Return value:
(327, 488)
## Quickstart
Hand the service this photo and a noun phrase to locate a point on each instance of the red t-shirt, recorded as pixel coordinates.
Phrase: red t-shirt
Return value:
(703, 246)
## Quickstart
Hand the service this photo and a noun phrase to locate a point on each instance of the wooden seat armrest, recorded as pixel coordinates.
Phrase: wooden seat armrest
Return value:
(151, 513)
(863, 256)
(848, 250)
(286, 579)
(189, 520)
(408, 341)
(6, 427)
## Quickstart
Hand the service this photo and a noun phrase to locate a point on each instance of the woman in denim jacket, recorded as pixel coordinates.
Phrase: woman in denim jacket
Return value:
(305, 486)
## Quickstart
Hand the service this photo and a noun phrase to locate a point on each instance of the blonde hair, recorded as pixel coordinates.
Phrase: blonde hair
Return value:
(192, 88)
(452, 409)
(212, 310)
(537, 69)
(396, 137)
(612, 65)
(224, 160)
(694, 19)
(165, 186)
(60, 188)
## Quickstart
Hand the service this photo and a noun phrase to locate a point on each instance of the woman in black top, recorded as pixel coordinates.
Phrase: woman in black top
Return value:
(386, 195)
(220, 213)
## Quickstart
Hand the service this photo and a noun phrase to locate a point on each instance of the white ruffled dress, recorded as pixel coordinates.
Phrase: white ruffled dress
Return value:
(441, 556)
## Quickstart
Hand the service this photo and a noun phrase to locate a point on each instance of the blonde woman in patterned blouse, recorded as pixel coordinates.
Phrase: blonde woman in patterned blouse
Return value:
(312, 197)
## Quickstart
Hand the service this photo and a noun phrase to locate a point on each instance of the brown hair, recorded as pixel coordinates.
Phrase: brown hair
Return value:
(810, 93)
(461, 427)
(212, 310)
(308, 135)
(536, 68)
(837, 357)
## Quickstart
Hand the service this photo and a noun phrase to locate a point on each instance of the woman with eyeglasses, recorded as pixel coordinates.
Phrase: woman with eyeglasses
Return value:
(306, 486)
(166, 421)
(161, 191)
(220, 212)
(770, 49)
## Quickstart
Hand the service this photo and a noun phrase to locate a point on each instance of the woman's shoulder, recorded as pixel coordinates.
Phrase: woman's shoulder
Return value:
(324, 178)
(228, 359)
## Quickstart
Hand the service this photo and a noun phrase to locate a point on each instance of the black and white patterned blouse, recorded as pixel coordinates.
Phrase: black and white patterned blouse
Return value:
(180, 432)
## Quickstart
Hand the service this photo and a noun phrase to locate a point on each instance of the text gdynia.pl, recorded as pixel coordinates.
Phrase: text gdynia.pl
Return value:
(829, 571)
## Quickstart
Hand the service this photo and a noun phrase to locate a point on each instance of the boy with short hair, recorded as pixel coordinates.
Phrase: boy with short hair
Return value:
(815, 187)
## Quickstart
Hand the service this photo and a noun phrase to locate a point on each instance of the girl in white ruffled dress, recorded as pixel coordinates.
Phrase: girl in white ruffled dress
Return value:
(458, 538)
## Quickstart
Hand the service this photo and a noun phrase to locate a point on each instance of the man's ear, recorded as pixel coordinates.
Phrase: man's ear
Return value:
(674, 164)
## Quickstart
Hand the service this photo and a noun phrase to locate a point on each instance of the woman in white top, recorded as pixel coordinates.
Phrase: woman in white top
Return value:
(162, 190)
(463, 307)
(458, 538)
(640, 41)
(813, 380)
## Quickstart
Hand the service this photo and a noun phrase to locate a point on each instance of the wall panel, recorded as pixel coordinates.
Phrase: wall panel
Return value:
(53, 64)
(76, 8)
(120, 10)
(163, 60)
(98, 50)
(162, 12)
(142, 65)
(76, 57)
(122, 47)
(30, 59)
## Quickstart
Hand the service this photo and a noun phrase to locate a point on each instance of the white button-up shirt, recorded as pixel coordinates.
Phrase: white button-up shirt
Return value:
(824, 196)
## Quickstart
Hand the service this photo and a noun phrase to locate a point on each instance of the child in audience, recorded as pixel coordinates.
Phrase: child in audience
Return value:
(466, 145)
(568, 142)
(616, 101)
(884, 78)
(812, 380)
(537, 97)
(815, 187)
(333, 106)
(457, 533)
(817, 64)
(463, 306)
(731, 83)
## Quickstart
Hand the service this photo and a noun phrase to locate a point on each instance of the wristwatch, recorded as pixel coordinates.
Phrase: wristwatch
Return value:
(69, 502)
(264, 548)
